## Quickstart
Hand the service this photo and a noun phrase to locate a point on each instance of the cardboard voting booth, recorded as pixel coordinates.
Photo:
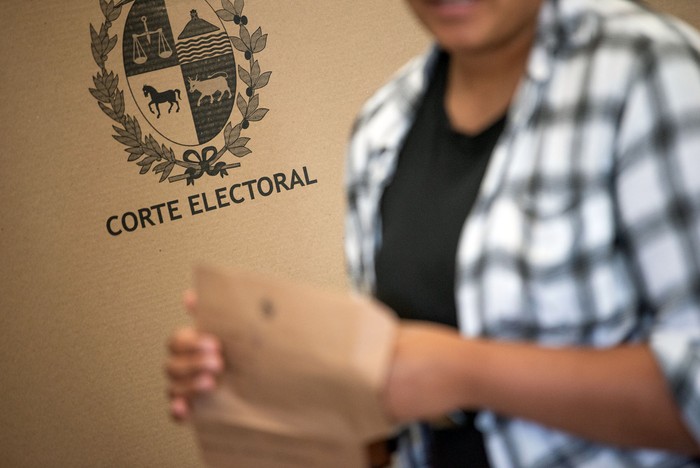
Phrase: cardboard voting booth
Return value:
(138, 139)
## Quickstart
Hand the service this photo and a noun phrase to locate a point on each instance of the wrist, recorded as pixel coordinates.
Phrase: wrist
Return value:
(466, 359)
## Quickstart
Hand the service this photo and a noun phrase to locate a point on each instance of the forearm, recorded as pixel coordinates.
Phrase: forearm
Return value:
(616, 396)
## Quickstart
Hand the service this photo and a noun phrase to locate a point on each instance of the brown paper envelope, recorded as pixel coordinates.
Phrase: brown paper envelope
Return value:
(303, 375)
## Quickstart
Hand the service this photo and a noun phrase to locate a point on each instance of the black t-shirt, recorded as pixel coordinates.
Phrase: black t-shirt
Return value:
(423, 210)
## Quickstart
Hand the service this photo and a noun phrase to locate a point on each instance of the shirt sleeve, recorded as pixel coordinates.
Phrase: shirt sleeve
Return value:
(353, 231)
(657, 183)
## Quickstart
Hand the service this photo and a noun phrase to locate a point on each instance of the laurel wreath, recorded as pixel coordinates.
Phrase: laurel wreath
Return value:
(146, 151)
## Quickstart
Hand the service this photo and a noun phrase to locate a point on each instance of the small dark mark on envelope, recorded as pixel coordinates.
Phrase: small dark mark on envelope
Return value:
(268, 310)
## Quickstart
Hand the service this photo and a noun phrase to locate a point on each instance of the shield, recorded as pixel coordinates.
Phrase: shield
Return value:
(180, 67)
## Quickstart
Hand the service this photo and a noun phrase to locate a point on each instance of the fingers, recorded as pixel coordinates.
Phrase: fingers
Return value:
(189, 365)
(189, 340)
(193, 365)
(191, 387)
(179, 409)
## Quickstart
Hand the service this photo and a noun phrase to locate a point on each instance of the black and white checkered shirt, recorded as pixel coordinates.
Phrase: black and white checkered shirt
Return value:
(586, 231)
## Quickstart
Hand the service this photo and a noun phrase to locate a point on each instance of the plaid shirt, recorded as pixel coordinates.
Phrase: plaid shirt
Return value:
(586, 230)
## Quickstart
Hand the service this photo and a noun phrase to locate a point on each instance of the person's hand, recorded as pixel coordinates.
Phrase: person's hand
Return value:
(193, 365)
(426, 378)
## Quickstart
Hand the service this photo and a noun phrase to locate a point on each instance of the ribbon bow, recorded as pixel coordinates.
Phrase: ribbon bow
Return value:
(206, 164)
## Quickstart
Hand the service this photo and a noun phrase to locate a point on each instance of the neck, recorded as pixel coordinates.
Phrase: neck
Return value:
(481, 84)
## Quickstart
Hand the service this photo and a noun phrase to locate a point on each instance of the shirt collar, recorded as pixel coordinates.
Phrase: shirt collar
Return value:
(563, 26)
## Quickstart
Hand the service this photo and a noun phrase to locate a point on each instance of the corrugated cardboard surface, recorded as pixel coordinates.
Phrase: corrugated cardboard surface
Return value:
(85, 315)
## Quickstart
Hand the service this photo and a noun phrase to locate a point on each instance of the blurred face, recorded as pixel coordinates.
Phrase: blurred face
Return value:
(477, 26)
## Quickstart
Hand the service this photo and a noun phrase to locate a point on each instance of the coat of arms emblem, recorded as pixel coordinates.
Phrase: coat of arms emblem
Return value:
(181, 71)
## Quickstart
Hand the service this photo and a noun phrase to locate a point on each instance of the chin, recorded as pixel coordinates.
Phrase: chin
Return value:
(461, 42)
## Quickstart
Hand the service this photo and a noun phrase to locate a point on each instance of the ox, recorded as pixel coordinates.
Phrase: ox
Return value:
(209, 87)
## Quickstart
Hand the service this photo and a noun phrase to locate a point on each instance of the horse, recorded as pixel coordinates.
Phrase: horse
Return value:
(157, 98)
